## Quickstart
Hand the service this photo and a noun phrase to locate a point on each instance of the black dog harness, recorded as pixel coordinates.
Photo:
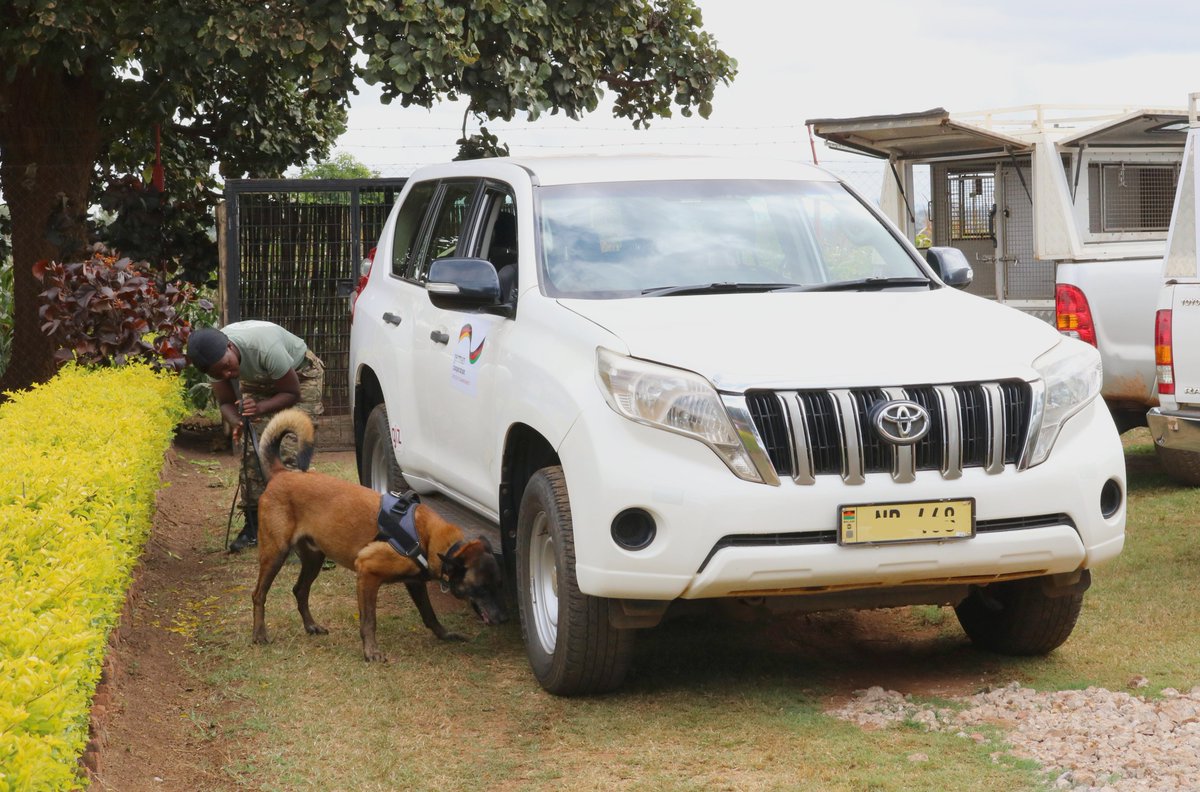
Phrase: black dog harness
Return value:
(397, 526)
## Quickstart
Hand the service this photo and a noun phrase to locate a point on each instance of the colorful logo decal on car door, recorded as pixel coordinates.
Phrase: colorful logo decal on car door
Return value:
(467, 353)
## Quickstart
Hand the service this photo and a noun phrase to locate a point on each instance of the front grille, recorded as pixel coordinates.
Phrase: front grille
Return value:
(808, 434)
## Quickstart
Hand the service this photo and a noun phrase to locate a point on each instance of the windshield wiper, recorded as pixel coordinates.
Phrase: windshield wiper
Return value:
(862, 284)
(722, 287)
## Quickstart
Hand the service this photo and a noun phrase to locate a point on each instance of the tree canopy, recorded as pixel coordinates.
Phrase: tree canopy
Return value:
(253, 88)
(341, 166)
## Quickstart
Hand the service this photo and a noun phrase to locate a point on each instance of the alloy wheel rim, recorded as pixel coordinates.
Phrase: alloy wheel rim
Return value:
(543, 583)
(379, 468)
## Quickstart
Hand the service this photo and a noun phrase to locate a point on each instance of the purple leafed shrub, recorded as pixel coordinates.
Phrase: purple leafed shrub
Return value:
(107, 310)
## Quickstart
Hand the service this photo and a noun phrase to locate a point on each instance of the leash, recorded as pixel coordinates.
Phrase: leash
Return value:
(249, 437)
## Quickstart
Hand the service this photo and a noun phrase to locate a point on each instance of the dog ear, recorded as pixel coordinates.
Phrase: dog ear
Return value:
(463, 554)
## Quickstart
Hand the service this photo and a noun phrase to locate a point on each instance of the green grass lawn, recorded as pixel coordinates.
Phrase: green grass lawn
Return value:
(712, 704)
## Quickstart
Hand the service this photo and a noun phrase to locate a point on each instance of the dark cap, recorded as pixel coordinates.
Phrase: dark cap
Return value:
(206, 346)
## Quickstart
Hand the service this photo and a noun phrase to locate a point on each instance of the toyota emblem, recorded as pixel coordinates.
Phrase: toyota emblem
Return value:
(900, 422)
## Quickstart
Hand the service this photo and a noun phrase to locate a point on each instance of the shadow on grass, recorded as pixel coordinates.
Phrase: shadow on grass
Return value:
(822, 654)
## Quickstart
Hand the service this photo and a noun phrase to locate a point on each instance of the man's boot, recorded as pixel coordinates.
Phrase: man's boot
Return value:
(249, 535)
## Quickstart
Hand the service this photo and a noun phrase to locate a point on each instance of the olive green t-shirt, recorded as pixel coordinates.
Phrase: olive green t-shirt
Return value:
(268, 351)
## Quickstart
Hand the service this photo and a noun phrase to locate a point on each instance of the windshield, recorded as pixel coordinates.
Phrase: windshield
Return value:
(625, 239)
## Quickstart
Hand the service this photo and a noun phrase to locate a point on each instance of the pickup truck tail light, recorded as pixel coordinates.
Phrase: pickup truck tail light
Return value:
(1163, 358)
(364, 275)
(1073, 315)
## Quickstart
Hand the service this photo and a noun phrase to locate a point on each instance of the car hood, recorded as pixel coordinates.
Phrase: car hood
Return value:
(823, 339)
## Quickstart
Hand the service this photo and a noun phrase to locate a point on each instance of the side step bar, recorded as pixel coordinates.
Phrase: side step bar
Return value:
(472, 524)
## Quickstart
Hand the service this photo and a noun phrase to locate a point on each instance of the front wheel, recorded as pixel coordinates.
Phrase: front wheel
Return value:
(572, 648)
(1019, 617)
(379, 470)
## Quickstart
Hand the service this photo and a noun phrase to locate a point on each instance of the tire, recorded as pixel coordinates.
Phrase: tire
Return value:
(379, 469)
(1018, 617)
(1182, 466)
(572, 648)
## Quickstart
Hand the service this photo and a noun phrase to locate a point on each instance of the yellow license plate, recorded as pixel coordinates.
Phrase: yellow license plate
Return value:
(913, 521)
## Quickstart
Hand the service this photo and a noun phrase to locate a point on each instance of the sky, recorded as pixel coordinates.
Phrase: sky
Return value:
(798, 61)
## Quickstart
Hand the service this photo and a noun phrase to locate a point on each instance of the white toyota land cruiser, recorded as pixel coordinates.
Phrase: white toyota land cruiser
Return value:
(654, 379)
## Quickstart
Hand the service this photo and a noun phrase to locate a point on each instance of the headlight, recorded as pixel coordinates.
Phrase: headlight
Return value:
(1071, 376)
(672, 399)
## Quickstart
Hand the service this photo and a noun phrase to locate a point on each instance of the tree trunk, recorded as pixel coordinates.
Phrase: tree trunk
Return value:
(50, 136)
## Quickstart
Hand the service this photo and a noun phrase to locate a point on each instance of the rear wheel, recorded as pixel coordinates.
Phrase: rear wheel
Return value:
(380, 471)
(1183, 466)
(572, 648)
(1019, 617)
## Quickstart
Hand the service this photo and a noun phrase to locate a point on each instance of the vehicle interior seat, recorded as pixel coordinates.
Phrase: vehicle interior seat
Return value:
(502, 252)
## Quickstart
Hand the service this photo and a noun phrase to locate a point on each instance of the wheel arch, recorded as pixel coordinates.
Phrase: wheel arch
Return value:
(367, 393)
(526, 451)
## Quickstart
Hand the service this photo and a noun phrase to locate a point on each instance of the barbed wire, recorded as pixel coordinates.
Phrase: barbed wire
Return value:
(542, 127)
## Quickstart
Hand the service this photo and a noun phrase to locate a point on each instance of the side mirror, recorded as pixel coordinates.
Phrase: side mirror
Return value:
(463, 284)
(951, 266)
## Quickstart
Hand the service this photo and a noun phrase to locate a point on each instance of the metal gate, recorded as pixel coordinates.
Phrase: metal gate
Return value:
(291, 254)
(1024, 279)
(964, 207)
(985, 209)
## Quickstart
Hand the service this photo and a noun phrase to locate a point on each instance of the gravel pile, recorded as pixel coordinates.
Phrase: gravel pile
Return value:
(1092, 740)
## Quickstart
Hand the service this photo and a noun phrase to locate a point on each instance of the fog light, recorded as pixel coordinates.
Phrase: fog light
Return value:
(1110, 498)
(633, 529)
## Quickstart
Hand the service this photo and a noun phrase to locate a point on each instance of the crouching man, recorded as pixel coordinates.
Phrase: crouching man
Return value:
(258, 369)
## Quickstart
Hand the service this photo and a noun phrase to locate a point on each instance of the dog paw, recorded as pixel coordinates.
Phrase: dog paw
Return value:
(262, 640)
(375, 657)
(450, 636)
(315, 629)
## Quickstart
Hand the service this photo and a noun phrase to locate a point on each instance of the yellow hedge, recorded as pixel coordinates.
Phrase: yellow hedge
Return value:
(80, 458)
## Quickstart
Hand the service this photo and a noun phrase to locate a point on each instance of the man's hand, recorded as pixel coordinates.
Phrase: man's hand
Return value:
(237, 435)
(248, 407)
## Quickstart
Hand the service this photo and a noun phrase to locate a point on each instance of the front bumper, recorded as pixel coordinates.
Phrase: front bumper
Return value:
(1175, 430)
(612, 464)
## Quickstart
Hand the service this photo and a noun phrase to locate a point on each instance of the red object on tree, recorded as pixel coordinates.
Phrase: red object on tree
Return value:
(157, 178)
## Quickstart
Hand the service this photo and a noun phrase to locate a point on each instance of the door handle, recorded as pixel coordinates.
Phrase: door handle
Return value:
(391, 318)
(440, 337)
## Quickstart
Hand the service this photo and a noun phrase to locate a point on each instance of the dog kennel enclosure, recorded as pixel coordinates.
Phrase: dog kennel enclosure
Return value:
(1022, 189)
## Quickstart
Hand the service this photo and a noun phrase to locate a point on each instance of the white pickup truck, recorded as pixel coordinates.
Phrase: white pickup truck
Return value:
(1175, 424)
(1062, 211)
(664, 379)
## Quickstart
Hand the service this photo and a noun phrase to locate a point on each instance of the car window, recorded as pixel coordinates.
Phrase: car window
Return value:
(498, 240)
(621, 239)
(851, 243)
(408, 225)
(448, 223)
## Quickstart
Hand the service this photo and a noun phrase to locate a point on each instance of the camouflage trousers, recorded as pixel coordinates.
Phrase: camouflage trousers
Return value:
(312, 385)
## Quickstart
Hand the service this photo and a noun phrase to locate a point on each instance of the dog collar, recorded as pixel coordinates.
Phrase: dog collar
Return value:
(444, 577)
(397, 526)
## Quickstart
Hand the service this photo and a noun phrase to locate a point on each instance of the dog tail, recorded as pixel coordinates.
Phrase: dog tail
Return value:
(290, 421)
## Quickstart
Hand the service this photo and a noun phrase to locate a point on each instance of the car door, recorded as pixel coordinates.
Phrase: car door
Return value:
(384, 312)
(426, 227)
(464, 355)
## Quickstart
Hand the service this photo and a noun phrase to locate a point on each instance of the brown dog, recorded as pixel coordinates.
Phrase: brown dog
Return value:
(322, 517)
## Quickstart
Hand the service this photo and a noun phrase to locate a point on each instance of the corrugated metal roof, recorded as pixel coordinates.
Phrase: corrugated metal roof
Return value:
(1142, 127)
(932, 133)
(937, 134)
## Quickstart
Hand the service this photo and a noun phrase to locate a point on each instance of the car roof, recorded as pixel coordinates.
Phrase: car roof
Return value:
(592, 169)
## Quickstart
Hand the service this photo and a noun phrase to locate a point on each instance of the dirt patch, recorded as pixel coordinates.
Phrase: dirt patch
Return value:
(150, 734)
(150, 738)
(154, 735)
